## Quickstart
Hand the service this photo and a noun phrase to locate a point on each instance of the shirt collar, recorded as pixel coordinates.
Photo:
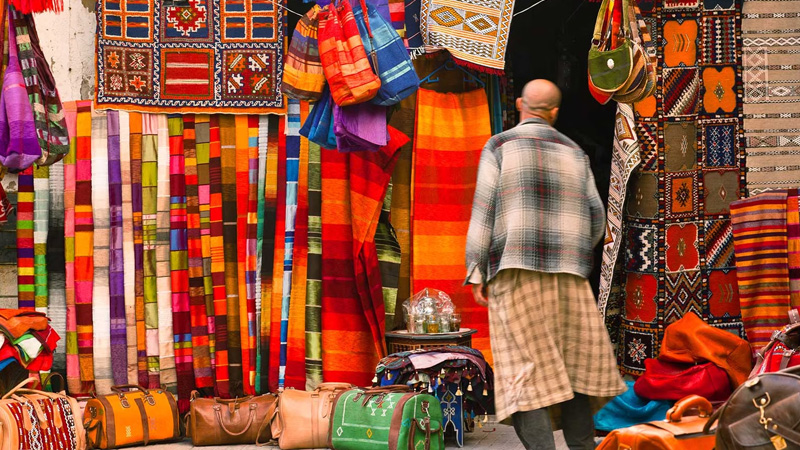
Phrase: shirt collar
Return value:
(537, 120)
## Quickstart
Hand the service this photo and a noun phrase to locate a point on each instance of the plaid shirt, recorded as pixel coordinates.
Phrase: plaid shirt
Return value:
(536, 205)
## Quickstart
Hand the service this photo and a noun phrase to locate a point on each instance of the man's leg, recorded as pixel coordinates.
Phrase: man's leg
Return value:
(534, 429)
(578, 424)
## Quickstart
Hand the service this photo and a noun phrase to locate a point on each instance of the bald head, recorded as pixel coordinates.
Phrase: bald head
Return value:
(540, 98)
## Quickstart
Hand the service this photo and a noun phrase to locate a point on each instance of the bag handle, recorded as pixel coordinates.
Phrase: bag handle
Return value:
(50, 376)
(393, 388)
(218, 411)
(272, 412)
(20, 386)
(599, 22)
(118, 388)
(675, 414)
(333, 386)
(372, 55)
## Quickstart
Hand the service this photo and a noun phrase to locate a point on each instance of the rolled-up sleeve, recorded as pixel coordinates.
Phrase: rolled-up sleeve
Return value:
(481, 224)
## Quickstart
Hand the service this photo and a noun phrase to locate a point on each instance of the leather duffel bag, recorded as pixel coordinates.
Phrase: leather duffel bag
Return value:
(303, 418)
(762, 414)
(214, 421)
(678, 431)
(137, 417)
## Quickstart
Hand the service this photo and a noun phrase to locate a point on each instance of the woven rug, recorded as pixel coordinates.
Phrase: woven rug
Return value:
(116, 262)
(771, 59)
(41, 221)
(196, 56)
(677, 239)
(474, 32)
(313, 325)
(444, 172)
(101, 300)
(137, 146)
(128, 252)
(762, 264)
(149, 180)
(25, 257)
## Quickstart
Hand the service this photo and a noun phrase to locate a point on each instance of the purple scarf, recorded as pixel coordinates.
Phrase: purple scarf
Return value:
(360, 127)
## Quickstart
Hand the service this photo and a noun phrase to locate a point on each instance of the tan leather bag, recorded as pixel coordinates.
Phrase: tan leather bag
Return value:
(214, 421)
(303, 417)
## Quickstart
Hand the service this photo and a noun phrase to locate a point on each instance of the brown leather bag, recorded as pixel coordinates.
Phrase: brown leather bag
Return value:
(762, 414)
(214, 421)
(677, 432)
(303, 417)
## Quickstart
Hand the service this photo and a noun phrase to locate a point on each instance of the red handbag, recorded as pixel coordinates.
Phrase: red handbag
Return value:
(782, 351)
(674, 381)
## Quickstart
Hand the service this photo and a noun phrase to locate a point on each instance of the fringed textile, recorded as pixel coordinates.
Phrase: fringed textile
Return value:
(116, 274)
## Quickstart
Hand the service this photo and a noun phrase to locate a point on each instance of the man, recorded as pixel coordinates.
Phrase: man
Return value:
(535, 220)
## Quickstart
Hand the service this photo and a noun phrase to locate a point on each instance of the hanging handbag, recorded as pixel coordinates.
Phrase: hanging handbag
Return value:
(610, 65)
(783, 351)
(214, 421)
(37, 419)
(344, 60)
(318, 127)
(629, 409)
(303, 78)
(762, 414)
(673, 381)
(394, 66)
(678, 431)
(136, 417)
(303, 418)
(642, 82)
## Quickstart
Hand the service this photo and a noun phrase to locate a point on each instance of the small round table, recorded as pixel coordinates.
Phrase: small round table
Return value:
(403, 341)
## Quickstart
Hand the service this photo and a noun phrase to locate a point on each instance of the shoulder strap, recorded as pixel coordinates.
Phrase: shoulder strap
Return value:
(272, 412)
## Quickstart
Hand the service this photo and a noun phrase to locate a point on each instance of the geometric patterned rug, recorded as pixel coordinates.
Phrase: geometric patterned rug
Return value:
(676, 254)
(190, 56)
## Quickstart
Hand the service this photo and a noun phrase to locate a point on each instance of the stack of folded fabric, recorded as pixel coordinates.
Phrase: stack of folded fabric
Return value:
(28, 338)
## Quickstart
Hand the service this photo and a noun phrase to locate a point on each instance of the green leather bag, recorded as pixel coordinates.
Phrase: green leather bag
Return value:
(610, 69)
(388, 418)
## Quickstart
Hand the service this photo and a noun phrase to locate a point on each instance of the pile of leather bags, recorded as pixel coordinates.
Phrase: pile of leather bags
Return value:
(28, 338)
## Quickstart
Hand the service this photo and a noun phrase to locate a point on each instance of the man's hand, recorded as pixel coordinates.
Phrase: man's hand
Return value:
(481, 294)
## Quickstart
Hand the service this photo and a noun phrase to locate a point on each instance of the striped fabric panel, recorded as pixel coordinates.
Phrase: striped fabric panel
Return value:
(227, 137)
(56, 280)
(296, 343)
(202, 139)
(128, 253)
(403, 119)
(242, 175)
(116, 275)
(223, 386)
(138, 142)
(397, 13)
(313, 322)
(149, 242)
(263, 131)
(25, 252)
(101, 300)
(166, 339)
(179, 264)
(251, 266)
(390, 258)
(201, 358)
(276, 312)
(762, 264)
(41, 222)
(72, 359)
(793, 245)
(290, 205)
(84, 246)
(275, 132)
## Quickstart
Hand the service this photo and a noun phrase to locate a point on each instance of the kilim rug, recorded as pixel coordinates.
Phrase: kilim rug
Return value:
(56, 262)
(25, 200)
(677, 238)
(41, 221)
(444, 172)
(101, 300)
(214, 56)
(166, 350)
(116, 273)
(474, 32)
(84, 247)
(313, 325)
(760, 240)
(128, 252)
(771, 59)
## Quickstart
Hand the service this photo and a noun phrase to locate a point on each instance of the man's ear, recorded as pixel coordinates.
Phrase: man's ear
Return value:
(554, 114)
(519, 104)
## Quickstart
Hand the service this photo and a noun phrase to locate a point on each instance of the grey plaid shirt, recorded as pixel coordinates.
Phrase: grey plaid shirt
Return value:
(536, 206)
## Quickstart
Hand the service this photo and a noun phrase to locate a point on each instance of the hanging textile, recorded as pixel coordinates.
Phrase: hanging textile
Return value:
(389, 257)
(313, 322)
(25, 253)
(760, 240)
(441, 209)
(56, 261)
(276, 302)
(71, 341)
(166, 350)
(84, 246)
(41, 222)
(128, 252)
(397, 15)
(149, 239)
(261, 205)
(179, 264)
(677, 239)
(199, 326)
(403, 120)
(793, 244)
(251, 252)
(413, 36)
(140, 144)
(101, 310)
(771, 105)
(116, 274)
(242, 192)
(202, 143)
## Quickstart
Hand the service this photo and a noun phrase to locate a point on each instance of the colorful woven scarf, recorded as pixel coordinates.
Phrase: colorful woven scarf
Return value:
(71, 341)
(166, 351)
(149, 242)
(41, 219)
(179, 264)
(274, 130)
(313, 325)
(242, 174)
(449, 157)
(793, 244)
(84, 246)
(56, 281)
(138, 143)
(101, 301)
(201, 357)
(397, 14)
(276, 312)
(116, 275)
(263, 129)
(227, 133)
(251, 253)
(25, 253)
(389, 257)
(403, 120)
(222, 385)
(202, 140)
(128, 253)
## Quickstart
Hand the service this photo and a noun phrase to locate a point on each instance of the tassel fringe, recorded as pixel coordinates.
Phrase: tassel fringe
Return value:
(478, 67)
